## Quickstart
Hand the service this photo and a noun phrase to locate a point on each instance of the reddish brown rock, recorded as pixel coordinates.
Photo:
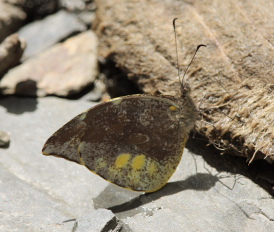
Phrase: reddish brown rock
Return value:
(11, 19)
(11, 51)
(63, 70)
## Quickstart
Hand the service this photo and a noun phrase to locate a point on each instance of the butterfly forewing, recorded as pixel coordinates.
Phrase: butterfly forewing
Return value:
(135, 142)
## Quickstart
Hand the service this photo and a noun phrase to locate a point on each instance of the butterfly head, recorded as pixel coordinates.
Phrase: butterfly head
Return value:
(184, 89)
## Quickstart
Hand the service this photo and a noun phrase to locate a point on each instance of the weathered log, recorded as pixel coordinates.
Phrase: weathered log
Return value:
(232, 80)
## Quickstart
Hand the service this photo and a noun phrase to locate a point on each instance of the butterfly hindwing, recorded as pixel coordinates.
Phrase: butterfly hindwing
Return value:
(135, 141)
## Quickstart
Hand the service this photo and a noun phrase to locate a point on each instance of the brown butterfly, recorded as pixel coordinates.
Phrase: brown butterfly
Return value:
(134, 141)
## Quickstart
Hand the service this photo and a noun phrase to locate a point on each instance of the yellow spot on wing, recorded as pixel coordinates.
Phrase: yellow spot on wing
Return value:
(82, 161)
(100, 163)
(79, 150)
(122, 160)
(135, 177)
(138, 162)
(80, 147)
(117, 101)
(45, 153)
(83, 116)
(152, 168)
(173, 108)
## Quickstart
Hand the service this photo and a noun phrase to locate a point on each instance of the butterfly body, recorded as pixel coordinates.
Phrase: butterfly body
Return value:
(134, 141)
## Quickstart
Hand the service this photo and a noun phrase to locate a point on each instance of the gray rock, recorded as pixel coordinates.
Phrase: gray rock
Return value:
(76, 5)
(42, 34)
(85, 10)
(25, 207)
(11, 51)
(98, 220)
(87, 17)
(40, 193)
(63, 70)
(27, 202)
(11, 19)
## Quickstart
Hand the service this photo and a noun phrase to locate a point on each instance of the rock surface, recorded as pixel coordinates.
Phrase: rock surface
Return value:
(11, 51)
(40, 193)
(98, 220)
(11, 19)
(4, 139)
(63, 70)
(36, 9)
(44, 33)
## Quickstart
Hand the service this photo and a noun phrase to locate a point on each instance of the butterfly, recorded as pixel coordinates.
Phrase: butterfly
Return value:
(134, 141)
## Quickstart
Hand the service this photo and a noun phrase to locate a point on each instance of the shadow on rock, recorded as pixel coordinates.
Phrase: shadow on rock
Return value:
(199, 182)
(19, 105)
(259, 171)
(26, 88)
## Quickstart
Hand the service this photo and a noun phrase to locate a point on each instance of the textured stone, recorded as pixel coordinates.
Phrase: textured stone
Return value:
(4, 139)
(63, 70)
(11, 19)
(36, 8)
(76, 5)
(98, 220)
(44, 33)
(11, 51)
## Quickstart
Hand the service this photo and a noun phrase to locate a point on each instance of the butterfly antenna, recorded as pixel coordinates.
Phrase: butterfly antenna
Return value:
(198, 47)
(177, 57)
(176, 46)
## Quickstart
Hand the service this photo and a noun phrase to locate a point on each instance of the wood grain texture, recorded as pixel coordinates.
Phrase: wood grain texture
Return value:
(232, 80)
